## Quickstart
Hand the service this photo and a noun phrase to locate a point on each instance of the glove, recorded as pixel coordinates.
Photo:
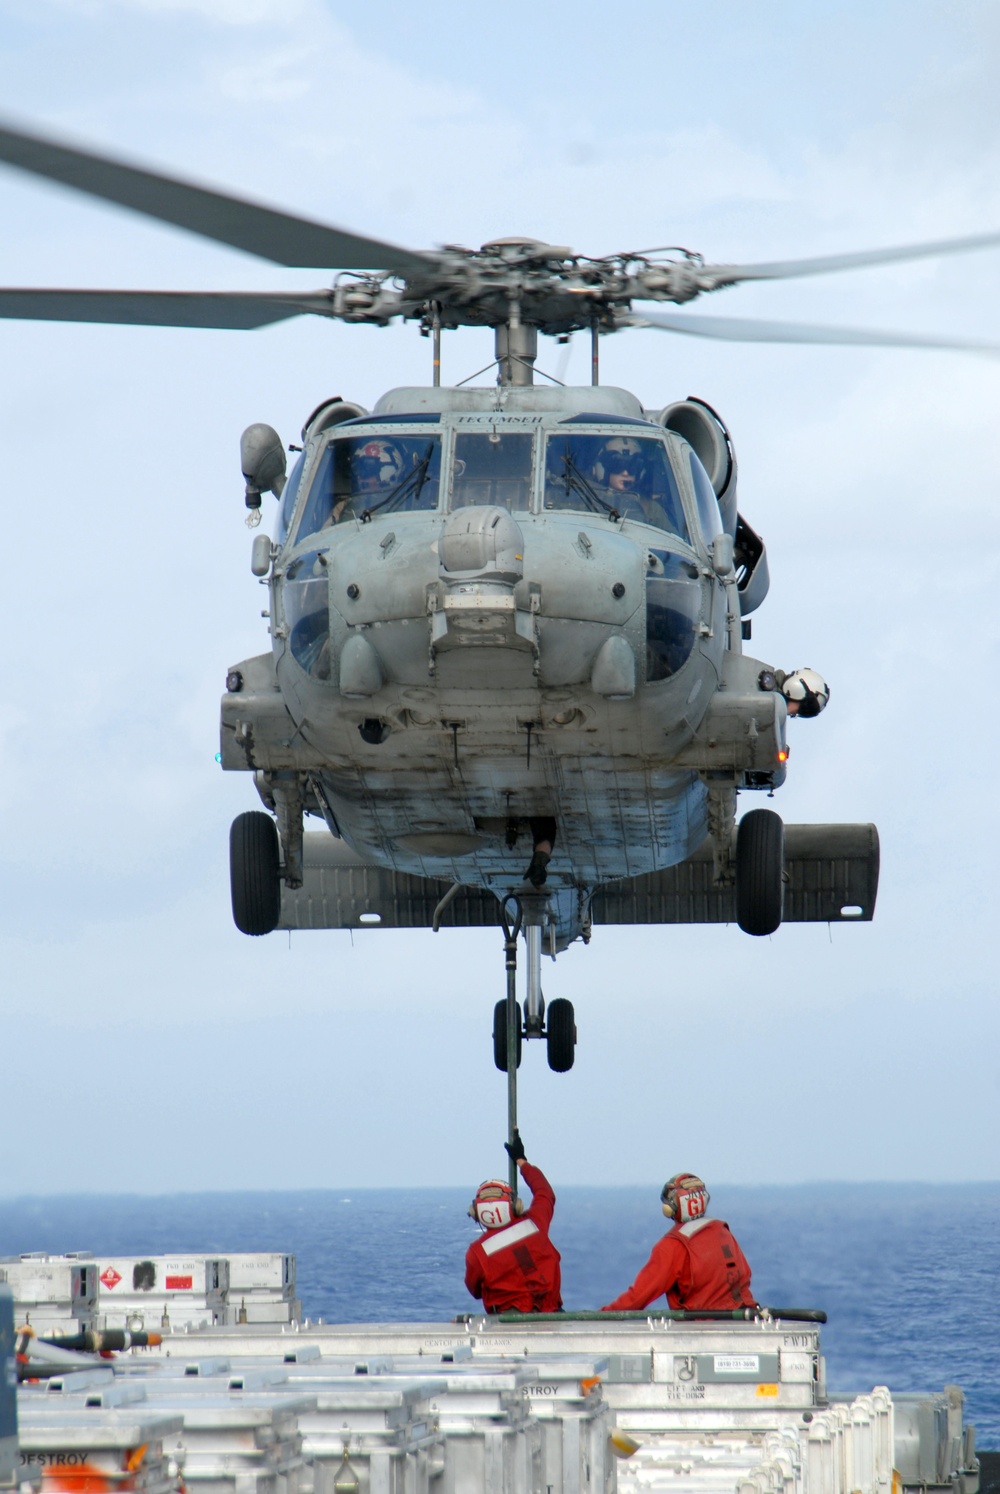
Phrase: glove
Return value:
(515, 1148)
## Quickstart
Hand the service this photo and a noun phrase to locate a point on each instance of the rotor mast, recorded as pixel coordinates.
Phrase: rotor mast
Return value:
(516, 342)
(516, 351)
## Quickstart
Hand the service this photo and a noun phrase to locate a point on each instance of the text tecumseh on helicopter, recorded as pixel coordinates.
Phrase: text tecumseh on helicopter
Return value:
(507, 622)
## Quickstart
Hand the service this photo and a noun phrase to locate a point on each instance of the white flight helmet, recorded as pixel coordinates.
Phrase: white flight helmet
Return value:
(808, 691)
(621, 453)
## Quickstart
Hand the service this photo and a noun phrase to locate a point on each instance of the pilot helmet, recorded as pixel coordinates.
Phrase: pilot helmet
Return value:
(374, 465)
(684, 1197)
(621, 456)
(807, 691)
(494, 1205)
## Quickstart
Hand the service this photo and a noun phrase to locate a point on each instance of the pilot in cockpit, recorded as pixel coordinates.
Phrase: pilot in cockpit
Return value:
(622, 474)
(366, 471)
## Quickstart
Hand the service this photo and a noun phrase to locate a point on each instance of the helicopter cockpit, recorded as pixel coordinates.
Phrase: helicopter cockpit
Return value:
(359, 476)
(623, 476)
(640, 492)
(600, 473)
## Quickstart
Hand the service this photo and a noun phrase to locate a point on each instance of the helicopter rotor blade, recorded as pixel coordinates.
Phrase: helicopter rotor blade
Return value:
(229, 310)
(786, 269)
(267, 232)
(738, 329)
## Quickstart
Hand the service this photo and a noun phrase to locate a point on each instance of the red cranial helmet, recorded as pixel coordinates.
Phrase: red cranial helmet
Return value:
(684, 1197)
(494, 1205)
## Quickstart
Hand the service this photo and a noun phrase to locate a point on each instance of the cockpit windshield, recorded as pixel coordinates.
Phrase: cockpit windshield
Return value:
(625, 476)
(491, 468)
(360, 476)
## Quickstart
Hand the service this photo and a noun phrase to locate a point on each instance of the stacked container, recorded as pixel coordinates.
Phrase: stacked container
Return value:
(486, 1406)
(78, 1449)
(352, 1427)
(262, 1289)
(161, 1293)
(217, 1441)
(53, 1293)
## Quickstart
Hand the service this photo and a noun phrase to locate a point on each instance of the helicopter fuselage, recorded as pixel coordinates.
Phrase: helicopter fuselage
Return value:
(481, 617)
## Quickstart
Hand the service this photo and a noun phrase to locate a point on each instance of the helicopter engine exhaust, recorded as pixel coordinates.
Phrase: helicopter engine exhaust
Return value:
(705, 432)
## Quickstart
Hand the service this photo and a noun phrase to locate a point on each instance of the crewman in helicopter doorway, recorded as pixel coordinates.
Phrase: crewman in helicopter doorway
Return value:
(698, 1263)
(514, 1267)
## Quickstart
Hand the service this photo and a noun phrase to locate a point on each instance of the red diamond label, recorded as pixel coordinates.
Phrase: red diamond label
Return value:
(110, 1278)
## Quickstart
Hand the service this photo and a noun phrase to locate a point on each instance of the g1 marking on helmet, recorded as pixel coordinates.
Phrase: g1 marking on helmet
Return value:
(494, 1206)
(685, 1197)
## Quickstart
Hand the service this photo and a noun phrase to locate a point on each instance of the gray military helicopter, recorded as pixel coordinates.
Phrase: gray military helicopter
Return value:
(507, 622)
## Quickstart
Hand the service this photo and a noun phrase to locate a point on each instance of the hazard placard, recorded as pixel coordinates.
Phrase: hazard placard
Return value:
(110, 1278)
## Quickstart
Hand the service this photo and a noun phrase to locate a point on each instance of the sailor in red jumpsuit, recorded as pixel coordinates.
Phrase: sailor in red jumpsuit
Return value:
(514, 1267)
(698, 1264)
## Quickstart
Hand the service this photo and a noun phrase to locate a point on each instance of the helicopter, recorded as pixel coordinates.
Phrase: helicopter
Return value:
(507, 621)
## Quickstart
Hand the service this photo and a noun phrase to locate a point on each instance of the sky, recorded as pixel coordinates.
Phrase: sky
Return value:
(150, 1047)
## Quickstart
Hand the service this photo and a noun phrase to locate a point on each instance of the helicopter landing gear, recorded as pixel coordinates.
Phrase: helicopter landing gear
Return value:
(760, 871)
(530, 913)
(556, 1025)
(254, 873)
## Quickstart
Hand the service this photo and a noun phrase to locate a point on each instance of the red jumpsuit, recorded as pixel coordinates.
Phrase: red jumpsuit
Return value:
(516, 1269)
(697, 1264)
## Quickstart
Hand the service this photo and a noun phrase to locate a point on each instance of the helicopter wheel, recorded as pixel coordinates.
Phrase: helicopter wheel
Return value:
(500, 1036)
(560, 1035)
(760, 866)
(254, 873)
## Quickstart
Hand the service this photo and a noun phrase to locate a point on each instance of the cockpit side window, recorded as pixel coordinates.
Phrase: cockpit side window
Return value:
(709, 517)
(673, 608)
(360, 476)
(628, 476)
(306, 600)
(492, 469)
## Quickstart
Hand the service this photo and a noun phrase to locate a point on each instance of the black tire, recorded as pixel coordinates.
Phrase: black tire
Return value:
(560, 1035)
(760, 866)
(255, 873)
(500, 1035)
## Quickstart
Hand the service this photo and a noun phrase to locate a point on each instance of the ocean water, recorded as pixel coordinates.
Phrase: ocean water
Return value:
(909, 1274)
